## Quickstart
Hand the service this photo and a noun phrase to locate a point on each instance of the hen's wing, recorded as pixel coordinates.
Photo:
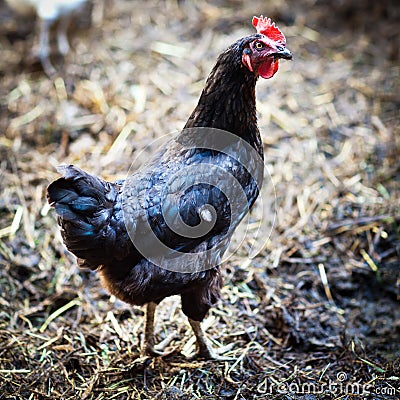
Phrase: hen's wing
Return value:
(188, 203)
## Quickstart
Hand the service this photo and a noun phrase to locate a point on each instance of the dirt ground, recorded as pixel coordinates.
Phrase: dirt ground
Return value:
(315, 315)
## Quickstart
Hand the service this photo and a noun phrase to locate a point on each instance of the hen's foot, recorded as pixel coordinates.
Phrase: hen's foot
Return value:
(204, 348)
(209, 353)
(158, 350)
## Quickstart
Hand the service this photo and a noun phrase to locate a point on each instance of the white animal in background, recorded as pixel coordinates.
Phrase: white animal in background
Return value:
(48, 13)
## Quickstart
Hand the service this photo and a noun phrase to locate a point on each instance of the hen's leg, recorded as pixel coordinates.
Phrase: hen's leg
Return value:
(62, 40)
(195, 305)
(204, 348)
(44, 47)
(148, 342)
(149, 347)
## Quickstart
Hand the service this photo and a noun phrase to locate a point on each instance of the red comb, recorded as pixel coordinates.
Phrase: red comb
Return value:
(268, 28)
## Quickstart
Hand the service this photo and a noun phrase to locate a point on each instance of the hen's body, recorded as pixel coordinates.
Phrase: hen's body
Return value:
(96, 216)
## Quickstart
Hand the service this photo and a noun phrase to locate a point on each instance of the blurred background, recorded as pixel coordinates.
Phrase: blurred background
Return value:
(322, 295)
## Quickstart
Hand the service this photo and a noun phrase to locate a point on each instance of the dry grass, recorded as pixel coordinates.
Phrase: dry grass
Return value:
(322, 297)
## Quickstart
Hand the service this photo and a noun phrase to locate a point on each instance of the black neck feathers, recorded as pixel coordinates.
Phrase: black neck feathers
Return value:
(228, 101)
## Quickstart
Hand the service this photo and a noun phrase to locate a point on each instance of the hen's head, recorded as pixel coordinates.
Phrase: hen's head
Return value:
(261, 55)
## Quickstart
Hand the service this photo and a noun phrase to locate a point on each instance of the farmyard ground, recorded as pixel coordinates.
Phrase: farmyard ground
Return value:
(330, 124)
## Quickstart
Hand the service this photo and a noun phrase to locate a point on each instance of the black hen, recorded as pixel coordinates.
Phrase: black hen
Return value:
(206, 180)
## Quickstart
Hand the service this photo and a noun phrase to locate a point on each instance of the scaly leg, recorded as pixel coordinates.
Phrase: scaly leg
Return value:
(148, 342)
(148, 347)
(204, 348)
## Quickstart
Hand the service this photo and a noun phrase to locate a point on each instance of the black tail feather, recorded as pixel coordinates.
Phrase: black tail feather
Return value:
(85, 204)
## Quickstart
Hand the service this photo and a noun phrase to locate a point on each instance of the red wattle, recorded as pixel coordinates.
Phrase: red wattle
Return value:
(268, 68)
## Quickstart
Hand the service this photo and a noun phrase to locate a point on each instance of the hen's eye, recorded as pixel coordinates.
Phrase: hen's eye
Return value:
(259, 45)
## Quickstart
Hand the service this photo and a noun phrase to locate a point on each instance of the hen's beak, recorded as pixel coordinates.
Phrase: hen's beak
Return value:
(285, 53)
